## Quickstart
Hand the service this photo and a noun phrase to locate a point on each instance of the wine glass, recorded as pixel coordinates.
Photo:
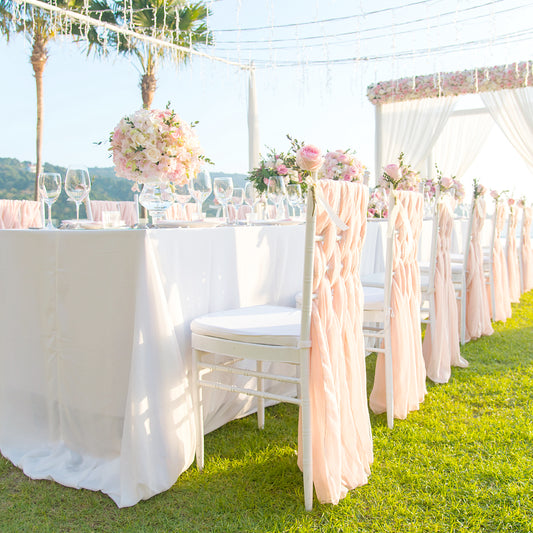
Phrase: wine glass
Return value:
(294, 196)
(250, 196)
(77, 187)
(49, 189)
(182, 194)
(237, 200)
(276, 193)
(223, 188)
(200, 188)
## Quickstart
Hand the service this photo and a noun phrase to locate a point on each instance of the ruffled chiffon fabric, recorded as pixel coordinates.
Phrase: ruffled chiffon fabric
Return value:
(128, 210)
(513, 265)
(408, 367)
(502, 300)
(527, 250)
(20, 214)
(341, 431)
(477, 302)
(441, 347)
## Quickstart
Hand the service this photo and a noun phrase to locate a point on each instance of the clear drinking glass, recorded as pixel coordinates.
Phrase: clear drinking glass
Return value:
(77, 187)
(237, 200)
(223, 189)
(49, 190)
(200, 188)
(276, 192)
(250, 197)
(294, 196)
(157, 198)
(182, 194)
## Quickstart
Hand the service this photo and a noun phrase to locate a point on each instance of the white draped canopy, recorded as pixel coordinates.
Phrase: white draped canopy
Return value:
(428, 130)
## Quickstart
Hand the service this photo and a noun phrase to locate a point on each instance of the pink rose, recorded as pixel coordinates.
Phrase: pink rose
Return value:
(282, 170)
(446, 183)
(482, 189)
(511, 201)
(309, 158)
(393, 171)
(494, 194)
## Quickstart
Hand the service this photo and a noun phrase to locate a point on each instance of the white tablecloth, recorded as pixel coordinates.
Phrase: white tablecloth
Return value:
(95, 345)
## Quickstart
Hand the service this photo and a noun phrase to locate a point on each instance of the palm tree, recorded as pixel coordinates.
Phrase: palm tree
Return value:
(40, 29)
(169, 20)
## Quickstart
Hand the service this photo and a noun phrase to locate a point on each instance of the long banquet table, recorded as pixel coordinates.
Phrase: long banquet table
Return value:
(95, 345)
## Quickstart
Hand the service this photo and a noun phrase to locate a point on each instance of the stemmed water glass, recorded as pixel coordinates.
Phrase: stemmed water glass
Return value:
(294, 196)
(49, 189)
(250, 196)
(223, 188)
(276, 192)
(200, 188)
(77, 187)
(182, 194)
(237, 200)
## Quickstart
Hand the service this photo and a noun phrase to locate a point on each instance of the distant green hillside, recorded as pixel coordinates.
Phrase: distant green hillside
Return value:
(17, 181)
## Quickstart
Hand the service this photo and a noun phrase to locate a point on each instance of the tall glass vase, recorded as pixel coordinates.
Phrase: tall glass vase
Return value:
(156, 197)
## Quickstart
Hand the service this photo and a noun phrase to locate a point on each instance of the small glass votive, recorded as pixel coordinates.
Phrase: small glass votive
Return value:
(110, 219)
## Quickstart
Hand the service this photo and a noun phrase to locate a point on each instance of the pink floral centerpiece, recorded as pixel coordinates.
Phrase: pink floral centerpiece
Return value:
(343, 166)
(155, 146)
(399, 176)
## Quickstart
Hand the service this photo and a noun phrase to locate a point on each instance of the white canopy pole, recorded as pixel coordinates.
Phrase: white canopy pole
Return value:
(378, 144)
(253, 123)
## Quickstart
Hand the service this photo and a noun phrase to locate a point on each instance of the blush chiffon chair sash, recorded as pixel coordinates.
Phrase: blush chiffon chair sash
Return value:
(513, 266)
(527, 250)
(441, 347)
(341, 431)
(128, 210)
(502, 300)
(477, 302)
(20, 214)
(408, 367)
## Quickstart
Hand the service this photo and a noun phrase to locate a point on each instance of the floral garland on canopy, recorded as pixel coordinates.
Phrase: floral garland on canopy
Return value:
(151, 145)
(496, 78)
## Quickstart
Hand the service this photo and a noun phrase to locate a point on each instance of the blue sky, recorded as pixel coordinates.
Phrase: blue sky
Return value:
(324, 105)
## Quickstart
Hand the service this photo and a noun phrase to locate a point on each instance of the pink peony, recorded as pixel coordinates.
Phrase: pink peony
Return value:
(309, 158)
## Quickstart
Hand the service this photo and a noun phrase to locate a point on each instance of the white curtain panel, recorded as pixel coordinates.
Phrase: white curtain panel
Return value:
(460, 142)
(413, 127)
(512, 110)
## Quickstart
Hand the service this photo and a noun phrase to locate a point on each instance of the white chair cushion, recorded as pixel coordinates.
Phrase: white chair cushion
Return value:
(374, 298)
(377, 279)
(457, 268)
(260, 324)
(457, 258)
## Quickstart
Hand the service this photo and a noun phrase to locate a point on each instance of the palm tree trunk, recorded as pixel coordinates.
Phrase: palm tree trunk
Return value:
(148, 87)
(38, 60)
(148, 79)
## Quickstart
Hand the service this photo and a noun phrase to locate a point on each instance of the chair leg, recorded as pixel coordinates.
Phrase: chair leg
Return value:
(307, 443)
(198, 411)
(260, 401)
(389, 385)
(463, 312)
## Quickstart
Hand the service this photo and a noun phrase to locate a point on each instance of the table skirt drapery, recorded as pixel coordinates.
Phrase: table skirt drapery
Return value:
(94, 357)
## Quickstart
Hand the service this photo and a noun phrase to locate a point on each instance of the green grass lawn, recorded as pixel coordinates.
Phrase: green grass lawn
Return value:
(463, 462)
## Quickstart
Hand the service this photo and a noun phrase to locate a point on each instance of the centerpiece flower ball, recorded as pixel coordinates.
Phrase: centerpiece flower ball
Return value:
(155, 145)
